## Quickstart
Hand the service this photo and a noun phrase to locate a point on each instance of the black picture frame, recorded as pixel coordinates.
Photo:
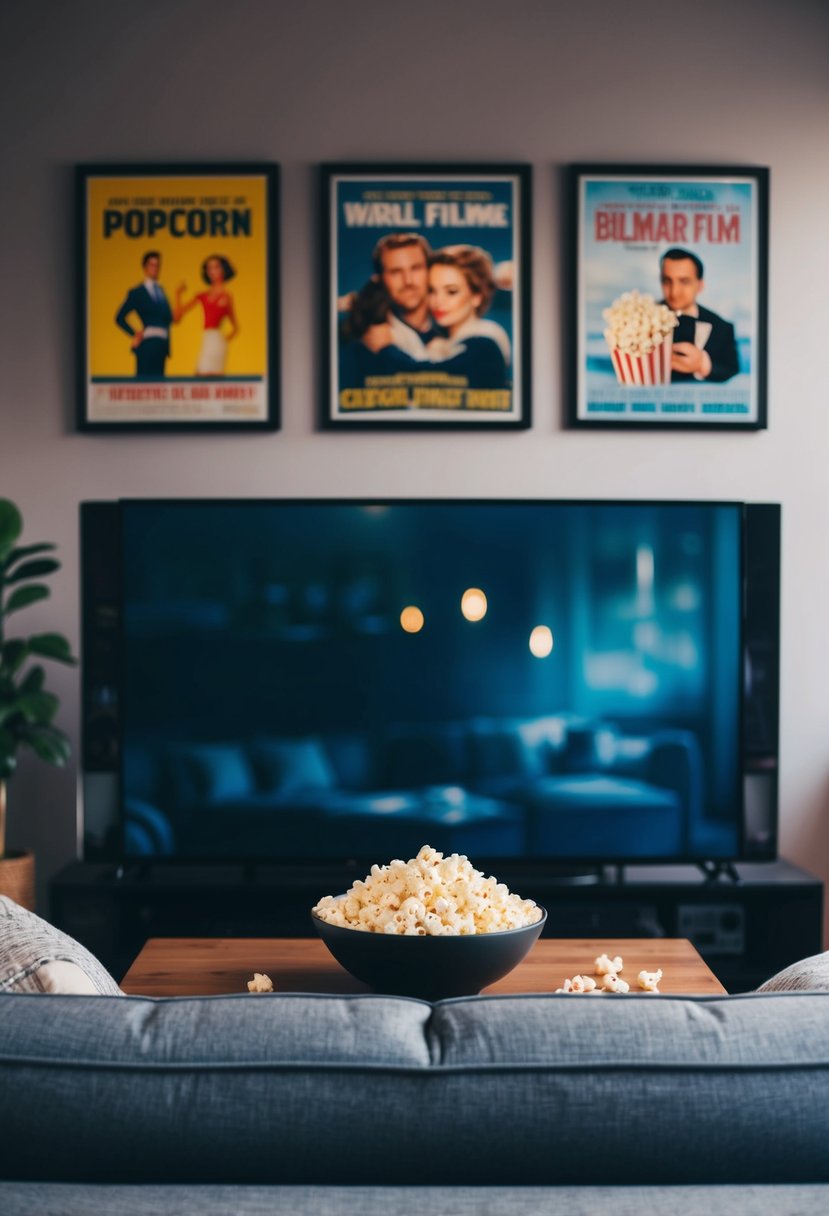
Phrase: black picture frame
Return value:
(471, 372)
(222, 219)
(623, 220)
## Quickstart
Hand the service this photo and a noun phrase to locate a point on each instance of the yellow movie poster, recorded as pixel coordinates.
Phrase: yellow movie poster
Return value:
(178, 301)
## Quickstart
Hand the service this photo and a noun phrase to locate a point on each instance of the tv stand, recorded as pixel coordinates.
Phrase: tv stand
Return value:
(746, 924)
(715, 870)
(134, 870)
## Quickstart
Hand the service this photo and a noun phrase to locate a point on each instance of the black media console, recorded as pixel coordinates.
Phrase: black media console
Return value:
(745, 930)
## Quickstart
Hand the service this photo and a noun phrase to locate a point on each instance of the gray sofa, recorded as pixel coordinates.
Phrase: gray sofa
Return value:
(487, 1105)
(299, 1103)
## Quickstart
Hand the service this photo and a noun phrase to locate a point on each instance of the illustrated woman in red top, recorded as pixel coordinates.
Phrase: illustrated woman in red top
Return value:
(217, 304)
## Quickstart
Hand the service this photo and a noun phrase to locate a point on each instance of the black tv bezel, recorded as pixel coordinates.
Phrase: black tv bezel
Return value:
(516, 865)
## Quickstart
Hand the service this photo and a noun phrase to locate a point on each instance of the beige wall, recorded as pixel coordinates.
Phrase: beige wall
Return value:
(533, 80)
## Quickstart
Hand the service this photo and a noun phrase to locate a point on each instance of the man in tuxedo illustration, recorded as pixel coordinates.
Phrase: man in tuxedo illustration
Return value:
(704, 346)
(151, 343)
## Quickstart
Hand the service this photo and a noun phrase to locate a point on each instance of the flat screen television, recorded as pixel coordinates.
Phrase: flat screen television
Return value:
(315, 682)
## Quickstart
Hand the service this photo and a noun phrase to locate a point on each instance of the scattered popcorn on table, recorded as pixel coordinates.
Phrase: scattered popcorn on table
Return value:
(429, 895)
(579, 983)
(605, 965)
(612, 983)
(260, 983)
(607, 970)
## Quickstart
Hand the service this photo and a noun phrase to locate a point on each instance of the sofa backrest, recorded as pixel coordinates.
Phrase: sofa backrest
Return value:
(299, 1088)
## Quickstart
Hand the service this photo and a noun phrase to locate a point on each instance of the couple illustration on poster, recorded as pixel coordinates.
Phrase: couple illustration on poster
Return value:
(148, 301)
(422, 310)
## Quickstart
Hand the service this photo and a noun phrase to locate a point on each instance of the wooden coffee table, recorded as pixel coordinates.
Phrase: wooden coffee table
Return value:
(212, 966)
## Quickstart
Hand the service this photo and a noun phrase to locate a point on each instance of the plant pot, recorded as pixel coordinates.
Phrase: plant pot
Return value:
(17, 878)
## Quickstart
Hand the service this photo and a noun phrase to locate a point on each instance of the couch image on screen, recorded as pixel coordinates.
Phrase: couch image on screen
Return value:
(547, 787)
(306, 680)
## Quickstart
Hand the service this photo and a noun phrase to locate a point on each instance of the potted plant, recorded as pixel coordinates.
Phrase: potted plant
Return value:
(27, 708)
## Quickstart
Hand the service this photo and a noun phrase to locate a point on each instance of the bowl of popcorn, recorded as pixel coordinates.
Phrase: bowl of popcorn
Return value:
(432, 927)
(640, 337)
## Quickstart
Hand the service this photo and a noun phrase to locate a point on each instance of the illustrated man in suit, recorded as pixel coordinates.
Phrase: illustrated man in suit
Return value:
(391, 311)
(704, 346)
(151, 343)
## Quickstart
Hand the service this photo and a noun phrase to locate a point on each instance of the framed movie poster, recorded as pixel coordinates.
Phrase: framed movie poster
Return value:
(669, 285)
(426, 296)
(176, 297)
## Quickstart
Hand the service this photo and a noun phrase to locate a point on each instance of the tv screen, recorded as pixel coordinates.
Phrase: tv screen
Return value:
(329, 681)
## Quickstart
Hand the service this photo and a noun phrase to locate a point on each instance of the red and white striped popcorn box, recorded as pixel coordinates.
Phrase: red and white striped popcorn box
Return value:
(653, 368)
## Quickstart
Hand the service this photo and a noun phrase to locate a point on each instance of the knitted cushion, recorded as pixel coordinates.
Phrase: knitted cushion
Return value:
(808, 974)
(36, 957)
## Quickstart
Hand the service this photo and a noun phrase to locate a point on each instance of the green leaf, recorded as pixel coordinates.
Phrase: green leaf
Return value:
(38, 708)
(17, 555)
(51, 646)
(8, 710)
(23, 596)
(11, 525)
(13, 655)
(49, 744)
(33, 681)
(44, 565)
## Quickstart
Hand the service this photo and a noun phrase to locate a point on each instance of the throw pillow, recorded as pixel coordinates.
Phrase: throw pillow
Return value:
(210, 772)
(37, 957)
(500, 748)
(807, 975)
(286, 766)
(581, 752)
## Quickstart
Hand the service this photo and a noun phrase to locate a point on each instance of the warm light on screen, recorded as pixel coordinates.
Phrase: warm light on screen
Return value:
(411, 619)
(473, 604)
(541, 641)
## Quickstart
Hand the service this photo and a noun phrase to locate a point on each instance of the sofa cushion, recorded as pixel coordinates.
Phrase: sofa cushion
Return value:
(37, 957)
(353, 758)
(806, 975)
(570, 814)
(286, 766)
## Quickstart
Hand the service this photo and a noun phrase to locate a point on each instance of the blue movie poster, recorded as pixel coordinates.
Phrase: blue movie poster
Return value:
(426, 320)
(670, 299)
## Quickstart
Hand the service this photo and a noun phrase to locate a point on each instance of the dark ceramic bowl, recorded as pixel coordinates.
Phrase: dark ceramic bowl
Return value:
(432, 968)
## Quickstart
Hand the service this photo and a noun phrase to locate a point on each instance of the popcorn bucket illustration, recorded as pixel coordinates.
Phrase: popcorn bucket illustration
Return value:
(651, 368)
(639, 335)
